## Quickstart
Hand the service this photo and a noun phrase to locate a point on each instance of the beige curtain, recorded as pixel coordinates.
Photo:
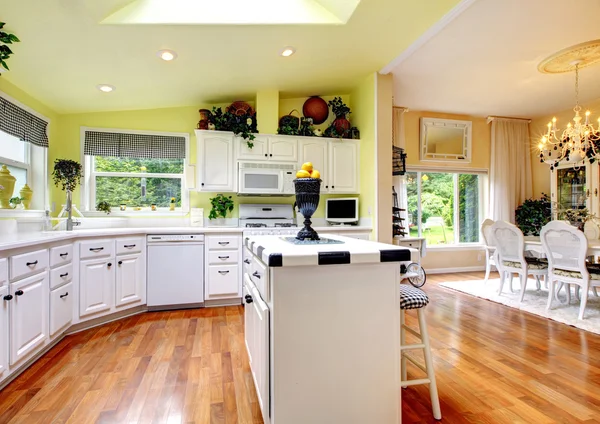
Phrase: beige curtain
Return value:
(510, 168)
(398, 138)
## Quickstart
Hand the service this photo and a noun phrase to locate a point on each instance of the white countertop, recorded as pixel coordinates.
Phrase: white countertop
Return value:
(275, 251)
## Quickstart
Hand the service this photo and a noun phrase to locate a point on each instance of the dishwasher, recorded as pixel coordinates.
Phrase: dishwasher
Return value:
(175, 271)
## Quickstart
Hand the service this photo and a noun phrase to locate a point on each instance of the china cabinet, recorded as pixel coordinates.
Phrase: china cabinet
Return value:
(575, 187)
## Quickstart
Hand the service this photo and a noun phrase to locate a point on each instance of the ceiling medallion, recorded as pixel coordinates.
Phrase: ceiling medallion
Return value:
(566, 60)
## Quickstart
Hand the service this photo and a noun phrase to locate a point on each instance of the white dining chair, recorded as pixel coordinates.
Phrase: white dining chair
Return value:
(566, 249)
(489, 246)
(511, 258)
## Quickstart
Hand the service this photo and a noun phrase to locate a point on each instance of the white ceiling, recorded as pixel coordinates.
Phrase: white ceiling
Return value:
(484, 62)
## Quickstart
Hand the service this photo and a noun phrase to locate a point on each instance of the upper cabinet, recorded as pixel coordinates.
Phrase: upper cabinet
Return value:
(317, 152)
(215, 167)
(271, 148)
(343, 166)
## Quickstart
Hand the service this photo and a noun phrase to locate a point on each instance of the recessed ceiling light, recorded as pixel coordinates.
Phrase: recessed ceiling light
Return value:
(106, 88)
(287, 51)
(167, 55)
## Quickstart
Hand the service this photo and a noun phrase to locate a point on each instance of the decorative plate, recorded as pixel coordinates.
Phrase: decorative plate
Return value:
(240, 108)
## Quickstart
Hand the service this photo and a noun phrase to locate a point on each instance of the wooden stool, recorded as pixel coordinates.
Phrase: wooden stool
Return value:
(413, 298)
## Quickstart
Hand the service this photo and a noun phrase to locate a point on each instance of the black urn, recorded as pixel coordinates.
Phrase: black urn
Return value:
(307, 200)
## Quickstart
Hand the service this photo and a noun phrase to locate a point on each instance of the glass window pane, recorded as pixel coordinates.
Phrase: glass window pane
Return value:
(12, 148)
(412, 191)
(437, 208)
(138, 191)
(468, 208)
(152, 166)
(21, 175)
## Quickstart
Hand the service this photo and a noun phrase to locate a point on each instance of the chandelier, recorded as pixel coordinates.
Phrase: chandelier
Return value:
(579, 141)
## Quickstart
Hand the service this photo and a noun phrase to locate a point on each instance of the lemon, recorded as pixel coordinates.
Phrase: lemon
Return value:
(315, 174)
(307, 166)
(302, 174)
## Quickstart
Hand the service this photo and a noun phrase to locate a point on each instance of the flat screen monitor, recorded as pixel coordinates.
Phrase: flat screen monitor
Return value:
(341, 210)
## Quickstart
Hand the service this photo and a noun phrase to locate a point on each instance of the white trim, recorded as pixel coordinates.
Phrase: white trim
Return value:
(455, 270)
(446, 169)
(144, 213)
(428, 35)
(455, 247)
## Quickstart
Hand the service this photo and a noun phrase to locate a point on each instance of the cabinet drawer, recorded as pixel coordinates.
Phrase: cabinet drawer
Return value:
(61, 255)
(96, 248)
(129, 245)
(61, 308)
(224, 242)
(61, 275)
(259, 276)
(223, 257)
(413, 244)
(3, 272)
(223, 280)
(28, 263)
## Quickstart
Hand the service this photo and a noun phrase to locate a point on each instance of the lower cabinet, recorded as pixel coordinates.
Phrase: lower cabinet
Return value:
(131, 280)
(223, 258)
(4, 302)
(61, 308)
(28, 315)
(96, 286)
(223, 280)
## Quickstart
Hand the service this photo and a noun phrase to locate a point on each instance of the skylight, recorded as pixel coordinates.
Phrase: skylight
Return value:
(234, 12)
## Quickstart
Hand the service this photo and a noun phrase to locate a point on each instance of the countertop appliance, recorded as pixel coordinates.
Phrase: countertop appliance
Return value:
(175, 271)
(267, 219)
(342, 210)
(266, 179)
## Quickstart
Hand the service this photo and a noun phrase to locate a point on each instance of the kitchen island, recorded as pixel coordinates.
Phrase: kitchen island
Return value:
(322, 329)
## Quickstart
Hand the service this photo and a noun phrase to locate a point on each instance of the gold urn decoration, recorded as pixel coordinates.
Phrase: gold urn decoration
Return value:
(26, 194)
(7, 186)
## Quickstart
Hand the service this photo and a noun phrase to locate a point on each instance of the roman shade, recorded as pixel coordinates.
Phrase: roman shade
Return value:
(129, 145)
(22, 124)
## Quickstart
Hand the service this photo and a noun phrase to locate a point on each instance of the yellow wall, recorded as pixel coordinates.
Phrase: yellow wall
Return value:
(267, 111)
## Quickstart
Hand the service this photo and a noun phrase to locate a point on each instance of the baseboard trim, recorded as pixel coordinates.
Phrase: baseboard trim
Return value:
(459, 269)
(223, 302)
(96, 322)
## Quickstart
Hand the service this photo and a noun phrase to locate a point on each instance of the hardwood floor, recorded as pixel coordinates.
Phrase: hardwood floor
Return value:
(493, 365)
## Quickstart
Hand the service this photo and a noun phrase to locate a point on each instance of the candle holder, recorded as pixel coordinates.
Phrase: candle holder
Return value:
(307, 200)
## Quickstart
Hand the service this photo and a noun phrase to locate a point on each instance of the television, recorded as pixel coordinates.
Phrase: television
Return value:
(341, 210)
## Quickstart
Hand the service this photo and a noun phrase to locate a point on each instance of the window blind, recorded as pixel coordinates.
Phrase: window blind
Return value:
(22, 124)
(130, 145)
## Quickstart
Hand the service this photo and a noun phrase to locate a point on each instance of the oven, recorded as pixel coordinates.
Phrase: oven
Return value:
(273, 179)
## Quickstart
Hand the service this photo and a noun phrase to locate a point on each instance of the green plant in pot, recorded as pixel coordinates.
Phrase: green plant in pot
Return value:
(103, 206)
(15, 201)
(533, 214)
(221, 206)
(340, 126)
(67, 176)
(243, 125)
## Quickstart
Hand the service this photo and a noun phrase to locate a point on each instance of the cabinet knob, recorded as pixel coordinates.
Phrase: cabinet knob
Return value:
(256, 274)
(19, 293)
(8, 297)
(332, 186)
(120, 262)
(271, 155)
(266, 155)
(249, 299)
(109, 264)
(326, 186)
(62, 255)
(202, 184)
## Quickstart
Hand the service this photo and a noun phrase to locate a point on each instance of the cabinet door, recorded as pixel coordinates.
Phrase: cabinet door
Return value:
(260, 353)
(248, 319)
(283, 149)
(215, 162)
(28, 316)
(260, 151)
(131, 281)
(61, 308)
(343, 172)
(4, 302)
(96, 286)
(3, 272)
(223, 281)
(317, 152)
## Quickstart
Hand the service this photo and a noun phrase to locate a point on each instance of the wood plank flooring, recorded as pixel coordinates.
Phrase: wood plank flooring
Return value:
(493, 364)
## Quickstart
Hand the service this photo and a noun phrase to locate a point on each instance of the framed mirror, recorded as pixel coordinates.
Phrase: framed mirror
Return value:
(446, 140)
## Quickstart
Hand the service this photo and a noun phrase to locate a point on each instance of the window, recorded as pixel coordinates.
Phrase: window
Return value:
(127, 168)
(445, 207)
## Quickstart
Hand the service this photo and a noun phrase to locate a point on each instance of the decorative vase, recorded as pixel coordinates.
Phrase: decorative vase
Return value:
(342, 126)
(172, 206)
(26, 194)
(203, 123)
(307, 200)
(7, 181)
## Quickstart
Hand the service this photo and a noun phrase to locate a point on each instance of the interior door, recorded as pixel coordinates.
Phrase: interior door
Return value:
(130, 280)
(4, 302)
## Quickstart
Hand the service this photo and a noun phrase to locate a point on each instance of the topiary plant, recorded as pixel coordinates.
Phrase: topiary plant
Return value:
(533, 214)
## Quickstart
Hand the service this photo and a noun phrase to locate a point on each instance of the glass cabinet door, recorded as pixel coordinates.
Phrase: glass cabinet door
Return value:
(571, 187)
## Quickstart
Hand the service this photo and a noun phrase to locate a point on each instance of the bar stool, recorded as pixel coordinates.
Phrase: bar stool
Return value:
(413, 298)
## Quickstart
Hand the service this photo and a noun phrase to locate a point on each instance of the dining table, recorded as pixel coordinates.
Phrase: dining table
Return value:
(534, 243)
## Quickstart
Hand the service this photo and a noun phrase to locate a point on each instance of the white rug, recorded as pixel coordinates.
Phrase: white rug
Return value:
(534, 301)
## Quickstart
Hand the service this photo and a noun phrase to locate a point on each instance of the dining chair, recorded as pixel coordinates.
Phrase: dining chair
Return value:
(489, 246)
(511, 258)
(566, 248)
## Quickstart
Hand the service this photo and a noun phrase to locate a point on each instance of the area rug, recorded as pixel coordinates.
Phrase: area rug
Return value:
(534, 301)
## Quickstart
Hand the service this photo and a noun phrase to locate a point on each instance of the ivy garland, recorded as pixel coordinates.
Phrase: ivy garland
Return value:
(241, 125)
(5, 51)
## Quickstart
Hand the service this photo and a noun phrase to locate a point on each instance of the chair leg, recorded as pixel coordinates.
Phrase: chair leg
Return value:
(510, 286)
(546, 281)
(538, 285)
(433, 391)
(595, 291)
(403, 372)
(523, 286)
(502, 278)
(488, 267)
(551, 293)
(584, 298)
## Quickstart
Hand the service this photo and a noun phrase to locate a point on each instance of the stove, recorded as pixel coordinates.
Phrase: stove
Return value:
(267, 220)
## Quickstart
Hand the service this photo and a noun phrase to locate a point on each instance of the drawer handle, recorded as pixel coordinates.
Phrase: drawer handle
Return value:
(223, 243)
(64, 295)
(64, 275)
(129, 246)
(256, 274)
(96, 249)
(223, 257)
(31, 263)
(223, 272)
(62, 255)
(8, 297)
(19, 293)
(247, 261)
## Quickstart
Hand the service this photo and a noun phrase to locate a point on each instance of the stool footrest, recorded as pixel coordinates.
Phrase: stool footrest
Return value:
(413, 346)
(415, 382)
(415, 363)
(411, 331)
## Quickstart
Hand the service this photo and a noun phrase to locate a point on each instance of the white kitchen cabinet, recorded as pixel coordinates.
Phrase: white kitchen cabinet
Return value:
(4, 302)
(260, 351)
(269, 148)
(223, 258)
(3, 272)
(96, 286)
(259, 152)
(61, 308)
(131, 281)
(28, 315)
(215, 166)
(317, 152)
(344, 166)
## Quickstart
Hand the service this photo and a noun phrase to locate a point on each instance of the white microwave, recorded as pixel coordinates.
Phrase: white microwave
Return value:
(266, 179)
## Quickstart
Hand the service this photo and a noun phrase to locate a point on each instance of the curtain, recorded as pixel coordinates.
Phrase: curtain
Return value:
(22, 124)
(398, 137)
(510, 168)
(130, 145)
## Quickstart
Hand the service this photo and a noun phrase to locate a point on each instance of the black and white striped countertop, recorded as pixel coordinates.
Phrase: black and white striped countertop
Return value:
(276, 252)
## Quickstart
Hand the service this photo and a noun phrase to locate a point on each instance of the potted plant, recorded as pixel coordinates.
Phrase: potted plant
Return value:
(533, 214)
(15, 201)
(242, 125)
(5, 51)
(67, 175)
(103, 206)
(221, 206)
(341, 125)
